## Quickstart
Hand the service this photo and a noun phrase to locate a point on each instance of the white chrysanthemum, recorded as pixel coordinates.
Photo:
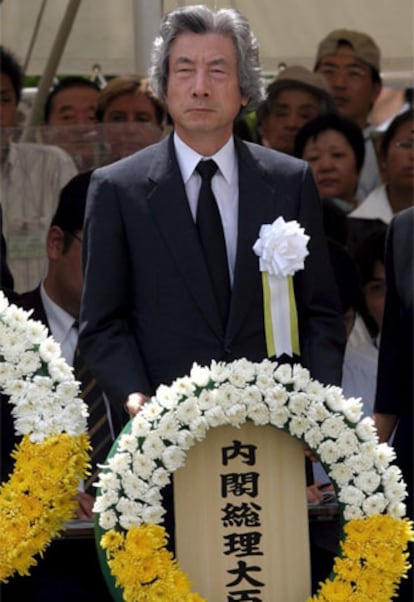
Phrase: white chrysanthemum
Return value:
(352, 513)
(359, 463)
(140, 426)
(242, 372)
(315, 389)
(265, 382)
(333, 426)
(134, 487)
(237, 415)
(334, 399)
(200, 375)
(367, 481)
(298, 403)
(127, 442)
(143, 465)
(279, 417)
(59, 370)
(152, 410)
(153, 515)
(374, 504)
(49, 350)
(317, 412)
(397, 509)
(251, 395)
(168, 397)
(108, 481)
(17, 317)
(107, 519)
(160, 477)
(107, 499)
(353, 409)
(384, 455)
(341, 474)
(348, 442)
(153, 446)
(301, 377)
(36, 332)
(276, 397)
(219, 371)
(298, 426)
(208, 398)
(184, 386)
(173, 458)
(391, 475)
(258, 413)
(313, 437)
(127, 506)
(188, 411)
(185, 439)
(31, 362)
(351, 495)
(396, 492)
(328, 452)
(199, 428)
(168, 427)
(215, 417)
(283, 374)
(120, 462)
(14, 348)
(366, 430)
(152, 496)
(128, 521)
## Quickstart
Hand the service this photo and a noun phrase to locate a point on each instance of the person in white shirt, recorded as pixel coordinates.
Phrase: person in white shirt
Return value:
(31, 177)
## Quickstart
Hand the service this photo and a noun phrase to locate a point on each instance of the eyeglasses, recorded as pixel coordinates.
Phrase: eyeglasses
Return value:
(76, 236)
(406, 144)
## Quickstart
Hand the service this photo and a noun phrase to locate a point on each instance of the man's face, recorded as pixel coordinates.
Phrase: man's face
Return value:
(203, 93)
(8, 103)
(351, 85)
(74, 106)
(290, 110)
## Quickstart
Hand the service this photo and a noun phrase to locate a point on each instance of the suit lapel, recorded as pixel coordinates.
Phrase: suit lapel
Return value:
(169, 206)
(256, 207)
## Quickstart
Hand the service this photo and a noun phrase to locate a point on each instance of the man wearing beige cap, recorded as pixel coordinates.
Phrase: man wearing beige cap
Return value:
(293, 98)
(350, 62)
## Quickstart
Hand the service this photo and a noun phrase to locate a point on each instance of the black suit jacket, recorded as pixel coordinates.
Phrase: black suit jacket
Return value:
(395, 391)
(148, 311)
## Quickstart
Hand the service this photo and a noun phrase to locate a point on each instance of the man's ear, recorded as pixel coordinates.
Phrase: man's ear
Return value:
(55, 242)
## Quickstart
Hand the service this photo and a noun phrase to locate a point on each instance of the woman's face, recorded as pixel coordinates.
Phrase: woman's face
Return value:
(399, 161)
(374, 293)
(333, 164)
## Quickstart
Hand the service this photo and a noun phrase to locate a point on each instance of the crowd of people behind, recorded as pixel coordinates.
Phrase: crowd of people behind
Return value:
(364, 176)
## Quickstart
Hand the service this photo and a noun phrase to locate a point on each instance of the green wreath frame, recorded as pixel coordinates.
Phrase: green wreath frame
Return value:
(152, 446)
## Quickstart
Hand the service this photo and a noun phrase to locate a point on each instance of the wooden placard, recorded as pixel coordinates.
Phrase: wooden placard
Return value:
(241, 516)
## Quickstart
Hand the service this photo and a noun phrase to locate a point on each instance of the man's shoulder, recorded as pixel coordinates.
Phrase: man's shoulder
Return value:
(271, 159)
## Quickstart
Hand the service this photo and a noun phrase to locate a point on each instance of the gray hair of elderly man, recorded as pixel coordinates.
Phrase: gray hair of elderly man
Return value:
(202, 20)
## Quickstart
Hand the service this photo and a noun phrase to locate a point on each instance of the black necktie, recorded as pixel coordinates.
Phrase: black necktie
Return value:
(99, 430)
(210, 229)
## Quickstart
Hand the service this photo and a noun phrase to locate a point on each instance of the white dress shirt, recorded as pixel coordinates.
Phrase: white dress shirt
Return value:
(225, 186)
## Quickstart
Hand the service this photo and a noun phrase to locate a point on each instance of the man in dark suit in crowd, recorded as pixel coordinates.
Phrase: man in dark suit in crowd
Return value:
(395, 392)
(70, 569)
(148, 308)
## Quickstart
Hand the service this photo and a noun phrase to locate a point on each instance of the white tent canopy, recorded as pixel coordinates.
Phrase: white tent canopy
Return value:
(117, 34)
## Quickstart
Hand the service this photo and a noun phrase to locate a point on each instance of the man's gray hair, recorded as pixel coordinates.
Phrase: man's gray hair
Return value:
(201, 20)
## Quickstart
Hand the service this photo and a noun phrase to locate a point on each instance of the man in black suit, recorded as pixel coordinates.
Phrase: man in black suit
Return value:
(394, 402)
(148, 309)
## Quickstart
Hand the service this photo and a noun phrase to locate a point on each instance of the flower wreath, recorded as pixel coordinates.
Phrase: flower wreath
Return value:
(370, 490)
(52, 456)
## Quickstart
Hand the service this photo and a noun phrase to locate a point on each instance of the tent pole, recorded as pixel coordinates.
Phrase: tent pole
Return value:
(51, 67)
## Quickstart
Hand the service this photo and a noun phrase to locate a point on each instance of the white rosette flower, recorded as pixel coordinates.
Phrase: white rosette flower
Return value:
(153, 515)
(279, 417)
(160, 477)
(127, 442)
(188, 411)
(391, 475)
(301, 377)
(133, 486)
(353, 513)
(107, 499)
(333, 426)
(281, 247)
(384, 455)
(215, 417)
(395, 492)
(119, 463)
(219, 372)
(49, 350)
(317, 412)
(152, 410)
(352, 409)
(153, 446)
(348, 442)
(276, 397)
(185, 439)
(168, 397)
(252, 395)
(108, 520)
(397, 509)
(298, 426)
(298, 403)
(313, 437)
(108, 481)
(328, 452)
(140, 426)
(199, 428)
(128, 521)
(183, 386)
(283, 374)
(241, 373)
(168, 427)
(334, 399)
